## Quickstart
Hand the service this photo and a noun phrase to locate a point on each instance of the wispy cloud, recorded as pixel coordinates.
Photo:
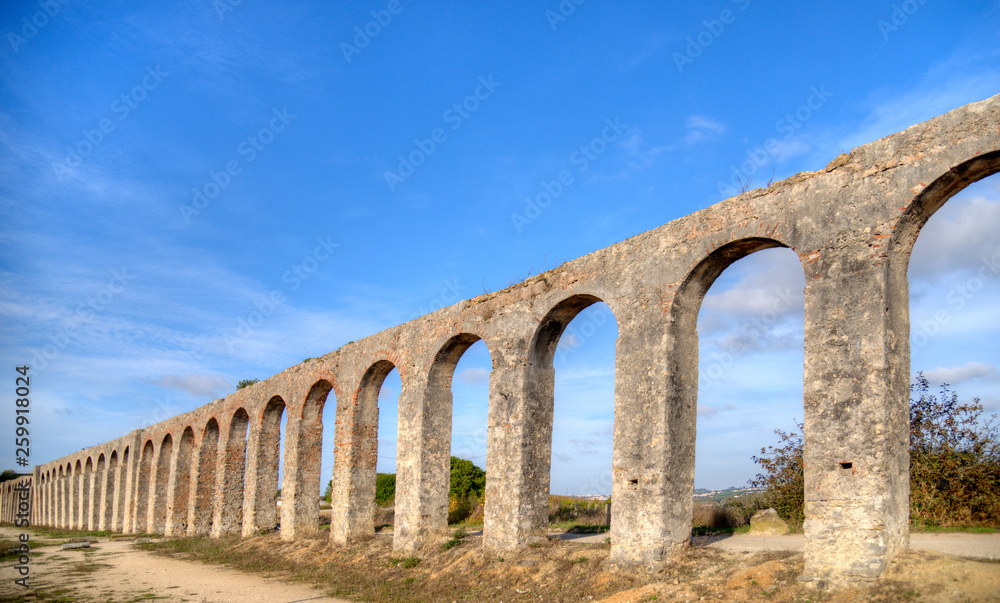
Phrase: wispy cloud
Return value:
(969, 371)
(700, 128)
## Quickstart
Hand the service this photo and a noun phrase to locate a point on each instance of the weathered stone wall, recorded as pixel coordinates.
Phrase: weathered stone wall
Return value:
(214, 470)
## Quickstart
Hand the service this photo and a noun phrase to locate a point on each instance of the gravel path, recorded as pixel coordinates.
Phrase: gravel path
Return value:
(114, 570)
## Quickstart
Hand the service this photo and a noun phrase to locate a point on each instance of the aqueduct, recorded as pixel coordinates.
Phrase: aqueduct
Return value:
(215, 470)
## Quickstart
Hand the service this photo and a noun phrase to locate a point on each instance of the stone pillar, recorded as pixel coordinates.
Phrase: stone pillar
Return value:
(299, 499)
(356, 451)
(82, 486)
(230, 475)
(107, 498)
(93, 499)
(656, 391)
(423, 466)
(856, 418)
(519, 451)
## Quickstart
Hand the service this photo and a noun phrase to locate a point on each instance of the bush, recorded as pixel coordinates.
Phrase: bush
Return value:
(467, 480)
(954, 459)
(954, 463)
(783, 476)
(246, 383)
(385, 488)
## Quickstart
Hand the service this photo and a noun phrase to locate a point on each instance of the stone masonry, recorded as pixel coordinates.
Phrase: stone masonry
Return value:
(853, 224)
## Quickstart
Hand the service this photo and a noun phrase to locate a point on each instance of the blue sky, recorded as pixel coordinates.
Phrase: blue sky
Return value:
(167, 171)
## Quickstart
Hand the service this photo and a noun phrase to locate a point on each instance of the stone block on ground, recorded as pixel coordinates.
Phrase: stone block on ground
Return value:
(767, 523)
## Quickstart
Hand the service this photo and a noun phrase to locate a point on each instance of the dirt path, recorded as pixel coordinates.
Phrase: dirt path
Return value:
(963, 544)
(116, 571)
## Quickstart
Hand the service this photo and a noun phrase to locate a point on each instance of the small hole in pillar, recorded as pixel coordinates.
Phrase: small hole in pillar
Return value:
(846, 465)
(634, 482)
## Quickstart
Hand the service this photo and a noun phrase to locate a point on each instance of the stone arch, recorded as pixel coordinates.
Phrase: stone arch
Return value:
(915, 216)
(353, 506)
(265, 464)
(228, 516)
(107, 515)
(201, 509)
(538, 414)
(142, 490)
(654, 447)
(159, 484)
(95, 472)
(300, 488)
(121, 490)
(79, 506)
(423, 463)
(178, 493)
(60, 496)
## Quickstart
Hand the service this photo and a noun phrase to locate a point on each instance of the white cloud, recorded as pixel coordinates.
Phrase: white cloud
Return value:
(959, 374)
(704, 409)
(475, 375)
(700, 128)
(961, 233)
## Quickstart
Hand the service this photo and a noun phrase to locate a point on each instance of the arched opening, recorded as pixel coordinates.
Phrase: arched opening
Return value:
(750, 379)
(87, 496)
(424, 478)
(100, 494)
(142, 490)
(951, 284)
(121, 479)
(179, 496)
(229, 512)
(265, 490)
(160, 483)
(384, 382)
(79, 506)
(722, 377)
(573, 455)
(470, 402)
(59, 498)
(354, 473)
(202, 515)
(68, 489)
(304, 464)
(583, 414)
(112, 493)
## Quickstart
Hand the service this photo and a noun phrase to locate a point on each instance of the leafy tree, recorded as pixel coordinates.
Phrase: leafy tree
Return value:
(385, 488)
(328, 493)
(8, 474)
(954, 462)
(246, 383)
(783, 475)
(467, 480)
(954, 458)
